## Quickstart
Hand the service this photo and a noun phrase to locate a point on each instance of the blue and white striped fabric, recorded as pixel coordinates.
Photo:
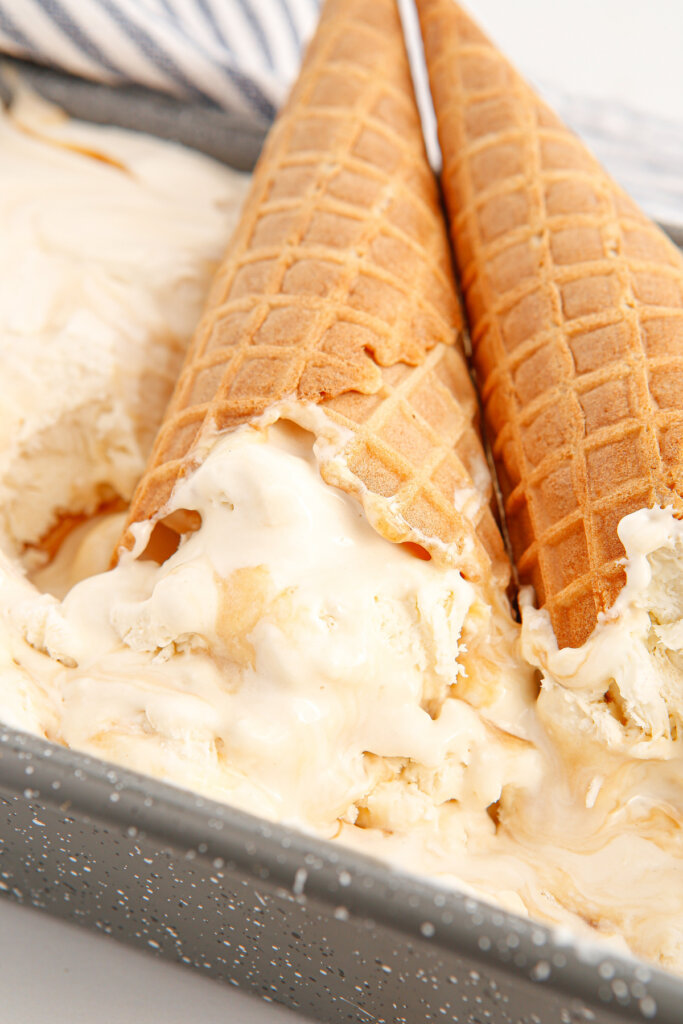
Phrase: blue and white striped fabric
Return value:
(237, 54)
(231, 62)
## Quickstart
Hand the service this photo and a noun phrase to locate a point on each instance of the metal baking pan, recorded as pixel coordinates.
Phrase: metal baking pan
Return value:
(298, 920)
(295, 919)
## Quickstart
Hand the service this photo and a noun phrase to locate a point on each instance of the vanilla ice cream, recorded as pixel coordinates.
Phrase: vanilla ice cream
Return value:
(311, 672)
(308, 670)
(286, 657)
(108, 241)
(634, 657)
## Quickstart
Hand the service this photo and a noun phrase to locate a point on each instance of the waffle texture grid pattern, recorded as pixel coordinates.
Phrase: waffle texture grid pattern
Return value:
(575, 302)
(414, 444)
(337, 283)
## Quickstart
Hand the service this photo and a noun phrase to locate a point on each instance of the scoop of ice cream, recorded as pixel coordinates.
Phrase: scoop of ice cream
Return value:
(108, 240)
(311, 669)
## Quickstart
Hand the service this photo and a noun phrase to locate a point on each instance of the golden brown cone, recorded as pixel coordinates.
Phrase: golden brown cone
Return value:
(337, 289)
(575, 302)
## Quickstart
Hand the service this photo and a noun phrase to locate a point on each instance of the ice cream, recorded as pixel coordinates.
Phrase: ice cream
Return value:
(613, 712)
(626, 680)
(97, 302)
(313, 673)
(299, 670)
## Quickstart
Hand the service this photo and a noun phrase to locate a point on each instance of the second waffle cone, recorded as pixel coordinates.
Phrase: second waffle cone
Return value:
(575, 301)
(337, 290)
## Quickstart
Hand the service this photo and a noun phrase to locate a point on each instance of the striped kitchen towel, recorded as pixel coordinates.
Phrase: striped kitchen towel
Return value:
(236, 54)
(212, 73)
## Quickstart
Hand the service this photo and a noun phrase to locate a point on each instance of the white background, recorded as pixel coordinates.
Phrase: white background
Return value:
(629, 50)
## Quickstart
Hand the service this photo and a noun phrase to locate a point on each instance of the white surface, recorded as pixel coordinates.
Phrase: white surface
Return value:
(50, 971)
(625, 50)
(618, 49)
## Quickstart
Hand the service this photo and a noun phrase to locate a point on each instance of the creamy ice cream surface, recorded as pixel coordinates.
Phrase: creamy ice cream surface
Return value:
(635, 655)
(108, 241)
(307, 669)
(613, 711)
(286, 657)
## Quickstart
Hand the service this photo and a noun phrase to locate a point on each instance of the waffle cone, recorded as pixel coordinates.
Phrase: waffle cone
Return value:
(337, 291)
(575, 302)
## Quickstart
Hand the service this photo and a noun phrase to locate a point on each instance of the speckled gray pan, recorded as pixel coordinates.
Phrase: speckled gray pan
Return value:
(298, 920)
(304, 922)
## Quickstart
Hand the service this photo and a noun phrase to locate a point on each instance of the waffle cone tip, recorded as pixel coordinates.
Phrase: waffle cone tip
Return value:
(336, 290)
(575, 304)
